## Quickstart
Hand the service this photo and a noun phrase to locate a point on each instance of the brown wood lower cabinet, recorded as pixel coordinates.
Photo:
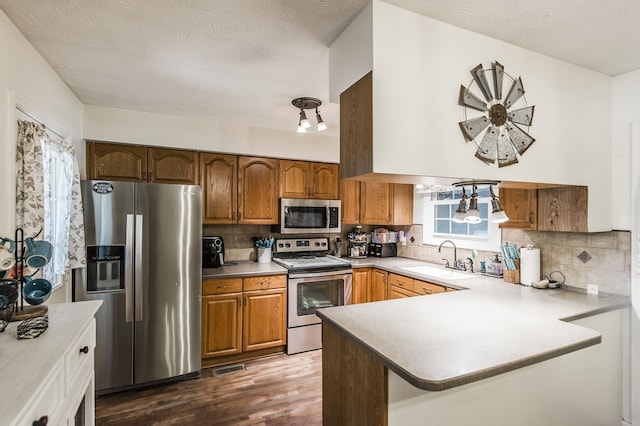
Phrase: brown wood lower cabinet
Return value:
(369, 285)
(401, 286)
(243, 316)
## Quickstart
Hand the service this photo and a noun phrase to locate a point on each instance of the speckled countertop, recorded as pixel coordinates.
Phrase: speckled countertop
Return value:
(444, 340)
(243, 269)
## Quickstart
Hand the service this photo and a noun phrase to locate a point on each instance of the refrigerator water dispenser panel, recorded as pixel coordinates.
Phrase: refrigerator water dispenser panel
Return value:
(105, 268)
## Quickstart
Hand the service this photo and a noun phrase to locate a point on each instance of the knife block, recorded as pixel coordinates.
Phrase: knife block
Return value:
(512, 276)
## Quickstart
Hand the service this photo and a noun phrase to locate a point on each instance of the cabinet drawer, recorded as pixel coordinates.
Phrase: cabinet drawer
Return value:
(396, 292)
(401, 281)
(79, 358)
(265, 283)
(423, 287)
(221, 286)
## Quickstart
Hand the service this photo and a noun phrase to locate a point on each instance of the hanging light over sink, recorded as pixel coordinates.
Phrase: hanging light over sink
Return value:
(472, 214)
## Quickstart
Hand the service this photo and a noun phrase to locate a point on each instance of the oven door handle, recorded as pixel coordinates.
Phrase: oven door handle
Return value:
(322, 275)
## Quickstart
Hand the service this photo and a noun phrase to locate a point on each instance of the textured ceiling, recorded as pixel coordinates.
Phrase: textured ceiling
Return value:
(246, 59)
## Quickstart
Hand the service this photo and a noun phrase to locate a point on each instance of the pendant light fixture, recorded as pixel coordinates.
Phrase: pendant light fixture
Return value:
(308, 103)
(472, 215)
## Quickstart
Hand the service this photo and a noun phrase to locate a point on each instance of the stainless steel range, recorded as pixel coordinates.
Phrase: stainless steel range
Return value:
(315, 280)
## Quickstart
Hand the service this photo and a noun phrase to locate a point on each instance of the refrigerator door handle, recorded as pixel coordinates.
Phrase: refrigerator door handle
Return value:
(138, 268)
(128, 270)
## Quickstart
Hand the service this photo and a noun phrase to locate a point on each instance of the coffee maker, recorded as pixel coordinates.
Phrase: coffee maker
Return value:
(212, 251)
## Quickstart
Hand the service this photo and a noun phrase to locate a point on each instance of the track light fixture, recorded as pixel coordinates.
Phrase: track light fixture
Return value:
(472, 215)
(308, 103)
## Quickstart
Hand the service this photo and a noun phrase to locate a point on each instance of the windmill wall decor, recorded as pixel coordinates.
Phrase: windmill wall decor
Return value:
(497, 127)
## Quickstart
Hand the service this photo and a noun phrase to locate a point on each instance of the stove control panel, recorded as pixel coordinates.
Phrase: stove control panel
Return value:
(301, 245)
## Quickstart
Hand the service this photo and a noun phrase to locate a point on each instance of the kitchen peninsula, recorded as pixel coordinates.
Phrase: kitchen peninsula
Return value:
(491, 353)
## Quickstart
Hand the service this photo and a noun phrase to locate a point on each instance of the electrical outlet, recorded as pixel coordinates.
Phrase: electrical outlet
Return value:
(592, 289)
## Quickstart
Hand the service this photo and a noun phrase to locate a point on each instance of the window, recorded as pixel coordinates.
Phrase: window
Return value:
(58, 180)
(439, 208)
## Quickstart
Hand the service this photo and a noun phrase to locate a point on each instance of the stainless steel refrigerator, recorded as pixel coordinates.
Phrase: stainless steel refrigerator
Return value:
(144, 253)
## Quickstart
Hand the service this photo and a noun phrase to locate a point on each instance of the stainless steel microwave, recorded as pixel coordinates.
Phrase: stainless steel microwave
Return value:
(303, 216)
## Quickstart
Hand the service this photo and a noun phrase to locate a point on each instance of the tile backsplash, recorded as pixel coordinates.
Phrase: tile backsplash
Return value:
(602, 258)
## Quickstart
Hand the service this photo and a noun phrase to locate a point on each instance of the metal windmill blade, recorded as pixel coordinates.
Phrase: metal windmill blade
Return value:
(472, 101)
(521, 140)
(487, 150)
(473, 127)
(515, 93)
(521, 116)
(483, 84)
(498, 73)
(506, 153)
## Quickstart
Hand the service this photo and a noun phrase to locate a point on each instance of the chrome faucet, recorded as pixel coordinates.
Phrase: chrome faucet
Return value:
(455, 255)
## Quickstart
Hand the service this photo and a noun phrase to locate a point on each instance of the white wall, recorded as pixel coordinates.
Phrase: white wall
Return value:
(418, 67)
(26, 79)
(351, 54)
(626, 109)
(135, 127)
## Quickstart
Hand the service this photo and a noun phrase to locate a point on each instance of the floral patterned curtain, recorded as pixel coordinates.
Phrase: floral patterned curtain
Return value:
(48, 196)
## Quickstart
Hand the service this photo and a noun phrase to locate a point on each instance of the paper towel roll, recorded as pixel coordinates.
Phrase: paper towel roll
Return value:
(529, 265)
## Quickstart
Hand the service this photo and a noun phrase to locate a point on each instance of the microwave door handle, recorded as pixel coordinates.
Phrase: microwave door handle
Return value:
(328, 217)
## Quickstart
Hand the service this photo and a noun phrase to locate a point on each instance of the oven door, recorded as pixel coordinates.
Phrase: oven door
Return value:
(310, 292)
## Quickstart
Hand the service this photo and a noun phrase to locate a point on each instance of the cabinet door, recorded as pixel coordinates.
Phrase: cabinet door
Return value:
(294, 179)
(379, 286)
(402, 204)
(116, 162)
(265, 321)
(361, 284)
(521, 206)
(219, 177)
(376, 203)
(324, 181)
(350, 197)
(173, 166)
(258, 190)
(221, 325)
(562, 209)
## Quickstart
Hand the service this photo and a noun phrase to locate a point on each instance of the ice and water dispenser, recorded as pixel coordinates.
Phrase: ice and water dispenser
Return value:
(105, 268)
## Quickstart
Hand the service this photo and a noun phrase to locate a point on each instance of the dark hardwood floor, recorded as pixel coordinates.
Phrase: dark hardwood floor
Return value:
(277, 390)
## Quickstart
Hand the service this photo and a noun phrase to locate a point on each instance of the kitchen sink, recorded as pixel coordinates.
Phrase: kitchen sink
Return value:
(443, 273)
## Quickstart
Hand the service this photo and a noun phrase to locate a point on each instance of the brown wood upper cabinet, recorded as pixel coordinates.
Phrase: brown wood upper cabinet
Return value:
(562, 209)
(350, 197)
(134, 163)
(239, 189)
(303, 179)
(386, 203)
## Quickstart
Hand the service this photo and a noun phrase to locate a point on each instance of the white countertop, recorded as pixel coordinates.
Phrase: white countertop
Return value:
(440, 341)
(25, 363)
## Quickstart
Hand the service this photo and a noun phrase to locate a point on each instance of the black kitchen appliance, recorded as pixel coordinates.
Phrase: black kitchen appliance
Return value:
(212, 251)
(383, 249)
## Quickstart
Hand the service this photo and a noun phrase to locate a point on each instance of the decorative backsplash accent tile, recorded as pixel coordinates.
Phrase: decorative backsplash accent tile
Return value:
(584, 257)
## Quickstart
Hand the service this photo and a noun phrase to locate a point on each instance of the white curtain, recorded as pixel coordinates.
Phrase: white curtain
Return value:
(48, 196)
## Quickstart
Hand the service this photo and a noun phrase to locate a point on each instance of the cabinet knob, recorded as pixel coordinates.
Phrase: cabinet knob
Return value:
(42, 421)
(84, 350)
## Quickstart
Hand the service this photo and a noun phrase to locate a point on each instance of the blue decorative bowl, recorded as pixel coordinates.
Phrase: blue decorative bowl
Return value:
(36, 291)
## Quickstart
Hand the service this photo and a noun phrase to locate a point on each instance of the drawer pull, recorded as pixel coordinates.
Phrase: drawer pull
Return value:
(427, 290)
(42, 421)
(222, 286)
(84, 350)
